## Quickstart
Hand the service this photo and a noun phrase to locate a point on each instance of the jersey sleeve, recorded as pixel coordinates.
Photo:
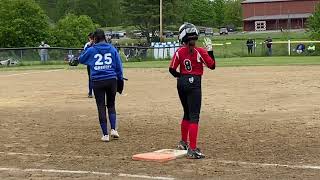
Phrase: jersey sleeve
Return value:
(85, 55)
(175, 61)
(119, 68)
(208, 60)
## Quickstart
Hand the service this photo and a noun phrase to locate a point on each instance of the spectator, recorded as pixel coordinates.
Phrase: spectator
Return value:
(43, 52)
(69, 57)
(117, 45)
(126, 51)
(300, 48)
(250, 44)
(268, 42)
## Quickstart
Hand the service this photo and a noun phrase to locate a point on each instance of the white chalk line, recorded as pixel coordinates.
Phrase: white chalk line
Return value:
(220, 161)
(50, 155)
(270, 165)
(241, 163)
(145, 177)
(63, 171)
(34, 72)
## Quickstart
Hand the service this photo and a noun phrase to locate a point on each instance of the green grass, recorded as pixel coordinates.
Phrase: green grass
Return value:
(221, 62)
(300, 35)
(236, 62)
(238, 47)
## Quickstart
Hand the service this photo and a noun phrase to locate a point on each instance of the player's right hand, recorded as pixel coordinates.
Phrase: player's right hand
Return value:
(120, 85)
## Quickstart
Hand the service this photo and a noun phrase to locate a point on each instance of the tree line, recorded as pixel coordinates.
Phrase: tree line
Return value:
(67, 22)
(116, 12)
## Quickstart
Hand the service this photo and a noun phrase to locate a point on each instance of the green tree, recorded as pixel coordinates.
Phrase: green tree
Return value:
(199, 12)
(145, 14)
(72, 31)
(314, 24)
(233, 13)
(50, 8)
(103, 12)
(23, 23)
(219, 11)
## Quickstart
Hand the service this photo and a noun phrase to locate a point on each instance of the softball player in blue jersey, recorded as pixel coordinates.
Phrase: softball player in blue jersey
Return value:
(106, 74)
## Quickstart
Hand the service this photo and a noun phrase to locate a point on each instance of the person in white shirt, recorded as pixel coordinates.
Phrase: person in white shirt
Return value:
(87, 45)
(43, 52)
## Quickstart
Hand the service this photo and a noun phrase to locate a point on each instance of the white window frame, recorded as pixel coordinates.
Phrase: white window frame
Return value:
(260, 25)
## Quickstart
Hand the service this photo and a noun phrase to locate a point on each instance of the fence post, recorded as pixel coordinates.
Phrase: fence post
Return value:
(163, 49)
(20, 54)
(159, 56)
(289, 47)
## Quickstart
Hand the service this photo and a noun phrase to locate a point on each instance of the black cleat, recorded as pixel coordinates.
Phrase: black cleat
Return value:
(195, 154)
(90, 96)
(183, 145)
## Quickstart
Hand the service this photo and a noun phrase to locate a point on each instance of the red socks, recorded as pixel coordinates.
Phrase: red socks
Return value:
(184, 130)
(193, 135)
(190, 129)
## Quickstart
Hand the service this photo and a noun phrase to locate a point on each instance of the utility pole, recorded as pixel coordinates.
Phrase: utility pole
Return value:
(161, 30)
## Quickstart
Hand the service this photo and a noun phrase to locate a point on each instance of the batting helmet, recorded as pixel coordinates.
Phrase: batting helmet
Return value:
(187, 32)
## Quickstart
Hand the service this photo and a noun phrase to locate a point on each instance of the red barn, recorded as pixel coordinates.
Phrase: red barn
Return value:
(261, 15)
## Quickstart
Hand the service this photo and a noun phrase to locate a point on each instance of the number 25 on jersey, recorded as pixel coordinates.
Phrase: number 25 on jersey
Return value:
(103, 60)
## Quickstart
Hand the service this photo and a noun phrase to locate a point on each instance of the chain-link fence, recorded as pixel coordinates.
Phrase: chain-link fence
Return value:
(228, 49)
(60, 55)
(156, 53)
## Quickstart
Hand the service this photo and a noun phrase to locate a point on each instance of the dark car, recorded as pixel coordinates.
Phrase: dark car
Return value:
(202, 30)
(168, 34)
(231, 28)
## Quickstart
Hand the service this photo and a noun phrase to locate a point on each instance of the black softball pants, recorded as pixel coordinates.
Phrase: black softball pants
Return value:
(189, 90)
(105, 89)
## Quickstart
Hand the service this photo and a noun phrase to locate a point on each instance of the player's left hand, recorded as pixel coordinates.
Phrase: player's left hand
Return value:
(207, 44)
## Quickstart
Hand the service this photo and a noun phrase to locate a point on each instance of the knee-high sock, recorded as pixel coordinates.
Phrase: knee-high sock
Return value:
(103, 119)
(104, 128)
(193, 135)
(113, 120)
(184, 130)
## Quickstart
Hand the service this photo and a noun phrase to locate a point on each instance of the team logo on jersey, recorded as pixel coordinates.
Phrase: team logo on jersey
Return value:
(191, 79)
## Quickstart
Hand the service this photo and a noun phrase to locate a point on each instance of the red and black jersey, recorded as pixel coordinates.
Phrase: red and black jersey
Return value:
(191, 63)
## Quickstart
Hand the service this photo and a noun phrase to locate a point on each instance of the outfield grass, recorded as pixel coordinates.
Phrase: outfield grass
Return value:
(221, 62)
(234, 45)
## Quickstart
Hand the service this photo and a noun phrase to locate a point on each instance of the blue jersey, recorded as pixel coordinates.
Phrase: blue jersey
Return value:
(104, 61)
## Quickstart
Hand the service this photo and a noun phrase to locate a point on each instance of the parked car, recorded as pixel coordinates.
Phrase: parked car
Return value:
(208, 32)
(168, 34)
(223, 31)
(115, 35)
(202, 30)
(231, 28)
(120, 33)
(137, 34)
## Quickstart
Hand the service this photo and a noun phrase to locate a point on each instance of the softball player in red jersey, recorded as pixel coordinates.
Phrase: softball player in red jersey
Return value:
(190, 59)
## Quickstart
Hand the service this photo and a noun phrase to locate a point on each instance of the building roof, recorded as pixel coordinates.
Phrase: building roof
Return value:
(262, 1)
(282, 16)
